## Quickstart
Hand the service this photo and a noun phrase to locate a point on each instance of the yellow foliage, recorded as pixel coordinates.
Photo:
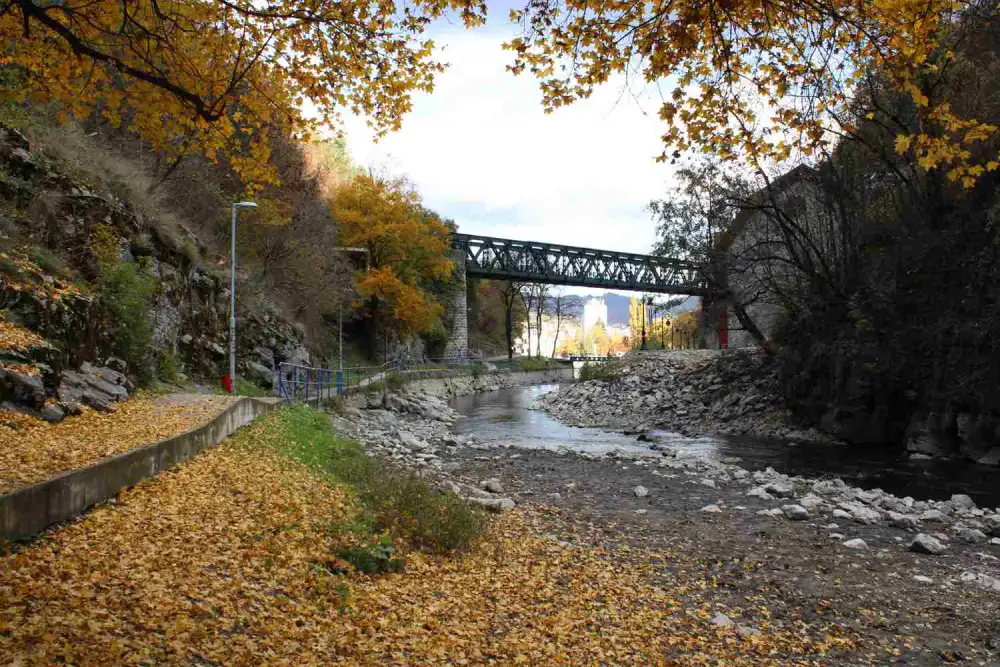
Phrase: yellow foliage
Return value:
(32, 450)
(16, 338)
(411, 310)
(212, 76)
(227, 560)
(407, 247)
(747, 75)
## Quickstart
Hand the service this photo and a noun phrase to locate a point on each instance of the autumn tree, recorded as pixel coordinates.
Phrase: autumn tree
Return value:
(212, 76)
(407, 249)
(511, 296)
(558, 306)
(769, 81)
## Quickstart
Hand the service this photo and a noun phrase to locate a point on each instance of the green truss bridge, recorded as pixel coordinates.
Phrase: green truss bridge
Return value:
(527, 261)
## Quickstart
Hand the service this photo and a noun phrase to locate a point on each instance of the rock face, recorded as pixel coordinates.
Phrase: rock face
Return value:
(188, 311)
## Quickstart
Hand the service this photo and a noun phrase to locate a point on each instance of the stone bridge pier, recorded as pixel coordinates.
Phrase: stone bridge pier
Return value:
(458, 340)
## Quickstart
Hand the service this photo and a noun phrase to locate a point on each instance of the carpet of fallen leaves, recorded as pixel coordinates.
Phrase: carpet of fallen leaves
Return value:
(17, 338)
(32, 450)
(225, 560)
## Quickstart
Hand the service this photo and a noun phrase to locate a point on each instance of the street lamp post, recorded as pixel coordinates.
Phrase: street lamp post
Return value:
(340, 311)
(232, 294)
(642, 301)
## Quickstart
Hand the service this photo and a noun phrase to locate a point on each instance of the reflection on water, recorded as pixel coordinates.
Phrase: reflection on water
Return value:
(506, 417)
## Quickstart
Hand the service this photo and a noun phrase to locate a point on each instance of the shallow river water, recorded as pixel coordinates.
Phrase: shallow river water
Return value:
(507, 417)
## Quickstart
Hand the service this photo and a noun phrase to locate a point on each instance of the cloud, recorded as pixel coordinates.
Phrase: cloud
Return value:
(482, 151)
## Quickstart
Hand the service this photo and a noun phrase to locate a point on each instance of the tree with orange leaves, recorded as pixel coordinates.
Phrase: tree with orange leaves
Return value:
(769, 80)
(213, 75)
(407, 254)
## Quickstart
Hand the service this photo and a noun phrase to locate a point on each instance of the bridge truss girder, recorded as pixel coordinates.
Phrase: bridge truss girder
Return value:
(526, 261)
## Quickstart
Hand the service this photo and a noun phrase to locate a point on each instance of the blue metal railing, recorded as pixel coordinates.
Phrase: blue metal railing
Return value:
(304, 383)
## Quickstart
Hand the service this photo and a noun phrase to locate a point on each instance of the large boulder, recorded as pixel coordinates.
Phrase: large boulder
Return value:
(924, 436)
(22, 387)
(97, 387)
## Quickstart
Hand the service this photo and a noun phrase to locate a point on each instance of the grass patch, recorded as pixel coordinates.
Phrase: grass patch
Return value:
(391, 382)
(244, 387)
(395, 502)
(535, 364)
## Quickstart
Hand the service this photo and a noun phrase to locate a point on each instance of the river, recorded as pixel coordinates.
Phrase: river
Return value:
(507, 417)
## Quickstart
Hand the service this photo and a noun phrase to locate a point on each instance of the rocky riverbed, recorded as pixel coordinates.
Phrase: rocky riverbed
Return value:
(920, 579)
(690, 392)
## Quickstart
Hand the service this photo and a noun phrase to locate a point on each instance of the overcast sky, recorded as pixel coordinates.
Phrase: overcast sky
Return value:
(482, 151)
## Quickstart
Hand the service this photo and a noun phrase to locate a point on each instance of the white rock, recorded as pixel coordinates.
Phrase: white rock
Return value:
(708, 482)
(835, 536)
(934, 516)
(641, 511)
(970, 535)
(412, 442)
(811, 502)
(904, 521)
(860, 513)
(841, 514)
(922, 579)
(493, 504)
(780, 489)
(856, 543)
(640, 491)
(980, 580)
(492, 485)
(711, 509)
(795, 512)
(759, 492)
(925, 544)
(722, 620)
(963, 501)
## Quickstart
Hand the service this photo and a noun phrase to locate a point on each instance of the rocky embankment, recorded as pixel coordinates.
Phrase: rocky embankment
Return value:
(412, 429)
(927, 569)
(690, 392)
(56, 350)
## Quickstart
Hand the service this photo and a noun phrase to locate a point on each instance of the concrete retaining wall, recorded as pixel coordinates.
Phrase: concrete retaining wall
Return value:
(447, 384)
(28, 511)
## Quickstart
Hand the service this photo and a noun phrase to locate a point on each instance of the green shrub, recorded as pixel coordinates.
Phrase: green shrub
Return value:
(604, 370)
(168, 369)
(47, 260)
(373, 558)
(407, 506)
(244, 387)
(124, 292)
(397, 502)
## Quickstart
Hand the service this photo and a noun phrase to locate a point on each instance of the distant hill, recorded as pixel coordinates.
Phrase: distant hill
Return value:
(617, 305)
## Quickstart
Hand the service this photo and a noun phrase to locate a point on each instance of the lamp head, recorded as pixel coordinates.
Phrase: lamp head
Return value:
(245, 204)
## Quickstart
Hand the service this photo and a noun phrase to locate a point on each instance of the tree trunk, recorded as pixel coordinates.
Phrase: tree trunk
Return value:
(769, 346)
(510, 331)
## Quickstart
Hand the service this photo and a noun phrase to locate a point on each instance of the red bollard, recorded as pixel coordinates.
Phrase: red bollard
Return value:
(227, 384)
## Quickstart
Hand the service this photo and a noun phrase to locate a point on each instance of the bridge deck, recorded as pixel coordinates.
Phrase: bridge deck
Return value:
(506, 259)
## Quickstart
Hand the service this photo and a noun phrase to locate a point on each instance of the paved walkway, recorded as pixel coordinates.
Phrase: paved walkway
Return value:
(32, 450)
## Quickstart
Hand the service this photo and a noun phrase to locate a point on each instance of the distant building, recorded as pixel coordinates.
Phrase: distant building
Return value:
(594, 311)
(757, 256)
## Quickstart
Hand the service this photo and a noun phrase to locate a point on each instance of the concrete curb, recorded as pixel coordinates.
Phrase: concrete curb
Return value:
(29, 510)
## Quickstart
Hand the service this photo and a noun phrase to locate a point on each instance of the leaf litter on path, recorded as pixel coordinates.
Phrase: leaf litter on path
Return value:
(32, 450)
(226, 560)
